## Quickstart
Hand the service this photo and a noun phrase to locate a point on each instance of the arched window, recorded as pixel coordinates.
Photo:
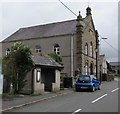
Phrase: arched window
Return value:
(8, 51)
(86, 68)
(56, 49)
(91, 49)
(86, 49)
(91, 68)
(38, 49)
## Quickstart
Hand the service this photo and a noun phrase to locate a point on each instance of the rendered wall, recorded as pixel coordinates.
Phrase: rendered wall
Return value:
(56, 85)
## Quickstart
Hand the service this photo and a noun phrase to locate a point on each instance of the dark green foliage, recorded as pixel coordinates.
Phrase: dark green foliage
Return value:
(16, 65)
(109, 67)
(56, 57)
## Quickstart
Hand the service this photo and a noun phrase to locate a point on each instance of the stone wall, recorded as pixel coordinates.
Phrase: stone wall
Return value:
(56, 85)
(28, 87)
(87, 35)
(0, 50)
(38, 87)
(47, 47)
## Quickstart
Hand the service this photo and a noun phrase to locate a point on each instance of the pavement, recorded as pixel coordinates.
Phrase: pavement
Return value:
(10, 102)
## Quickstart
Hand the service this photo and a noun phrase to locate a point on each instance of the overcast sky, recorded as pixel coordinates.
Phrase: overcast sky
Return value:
(20, 14)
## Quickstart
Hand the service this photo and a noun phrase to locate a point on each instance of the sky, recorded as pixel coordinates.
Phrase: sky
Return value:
(16, 14)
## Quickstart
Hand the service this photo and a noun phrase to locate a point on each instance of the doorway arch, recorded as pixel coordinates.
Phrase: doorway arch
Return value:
(91, 68)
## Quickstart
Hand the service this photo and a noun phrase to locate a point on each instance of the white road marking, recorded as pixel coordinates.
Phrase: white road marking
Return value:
(77, 111)
(99, 98)
(115, 90)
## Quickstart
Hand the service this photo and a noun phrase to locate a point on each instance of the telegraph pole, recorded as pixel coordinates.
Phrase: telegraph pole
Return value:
(97, 52)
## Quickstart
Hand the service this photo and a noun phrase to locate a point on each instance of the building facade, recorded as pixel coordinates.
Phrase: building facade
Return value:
(75, 40)
(103, 68)
(45, 76)
(115, 67)
(0, 50)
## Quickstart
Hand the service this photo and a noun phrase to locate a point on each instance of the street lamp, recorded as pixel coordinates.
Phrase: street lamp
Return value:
(104, 38)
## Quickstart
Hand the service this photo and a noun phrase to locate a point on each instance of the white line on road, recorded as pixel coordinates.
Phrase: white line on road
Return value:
(115, 90)
(99, 98)
(77, 111)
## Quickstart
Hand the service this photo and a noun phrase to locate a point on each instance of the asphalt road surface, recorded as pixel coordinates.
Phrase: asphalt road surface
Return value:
(104, 100)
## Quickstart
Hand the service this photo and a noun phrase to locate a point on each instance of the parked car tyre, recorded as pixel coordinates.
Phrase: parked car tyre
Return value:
(93, 88)
(99, 88)
(87, 82)
(76, 90)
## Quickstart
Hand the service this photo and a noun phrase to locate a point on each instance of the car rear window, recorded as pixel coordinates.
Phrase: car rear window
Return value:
(84, 78)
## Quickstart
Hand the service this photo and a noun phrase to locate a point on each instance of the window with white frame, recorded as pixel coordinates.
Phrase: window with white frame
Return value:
(86, 68)
(86, 49)
(8, 51)
(56, 49)
(38, 49)
(38, 76)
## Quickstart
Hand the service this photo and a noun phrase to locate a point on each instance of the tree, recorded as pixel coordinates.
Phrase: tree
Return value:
(56, 57)
(16, 66)
(109, 67)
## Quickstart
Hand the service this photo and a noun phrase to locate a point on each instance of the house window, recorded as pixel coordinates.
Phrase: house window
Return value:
(38, 76)
(86, 49)
(86, 68)
(8, 51)
(91, 32)
(118, 72)
(94, 52)
(91, 49)
(38, 49)
(57, 49)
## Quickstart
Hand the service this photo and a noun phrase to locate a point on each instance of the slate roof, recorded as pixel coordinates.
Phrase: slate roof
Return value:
(46, 30)
(45, 61)
(115, 63)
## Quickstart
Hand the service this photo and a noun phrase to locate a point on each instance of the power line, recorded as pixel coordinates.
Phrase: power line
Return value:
(86, 26)
(111, 45)
(77, 15)
(67, 8)
(104, 39)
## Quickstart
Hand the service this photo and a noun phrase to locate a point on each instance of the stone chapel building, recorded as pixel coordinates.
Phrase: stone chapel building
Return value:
(75, 40)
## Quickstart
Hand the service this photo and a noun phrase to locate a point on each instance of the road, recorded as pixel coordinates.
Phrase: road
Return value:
(104, 100)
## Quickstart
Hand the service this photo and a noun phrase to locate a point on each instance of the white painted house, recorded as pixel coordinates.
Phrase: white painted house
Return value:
(103, 67)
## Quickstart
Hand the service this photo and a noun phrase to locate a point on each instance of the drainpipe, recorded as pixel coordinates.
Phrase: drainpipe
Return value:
(72, 55)
(97, 52)
(72, 58)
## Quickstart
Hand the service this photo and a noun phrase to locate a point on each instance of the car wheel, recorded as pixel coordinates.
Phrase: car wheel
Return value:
(76, 90)
(93, 88)
(99, 87)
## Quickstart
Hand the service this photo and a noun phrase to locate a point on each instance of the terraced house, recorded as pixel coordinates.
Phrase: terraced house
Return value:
(75, 40)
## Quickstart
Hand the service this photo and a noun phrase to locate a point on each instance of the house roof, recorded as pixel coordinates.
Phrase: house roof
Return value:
(102, 59)
(114, 63)
(45, 61)
(47, 30)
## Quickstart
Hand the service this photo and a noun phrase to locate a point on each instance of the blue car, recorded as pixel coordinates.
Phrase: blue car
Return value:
(87, 82)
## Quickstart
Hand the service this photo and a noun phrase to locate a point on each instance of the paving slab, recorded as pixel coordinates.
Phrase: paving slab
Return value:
(10, 102)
